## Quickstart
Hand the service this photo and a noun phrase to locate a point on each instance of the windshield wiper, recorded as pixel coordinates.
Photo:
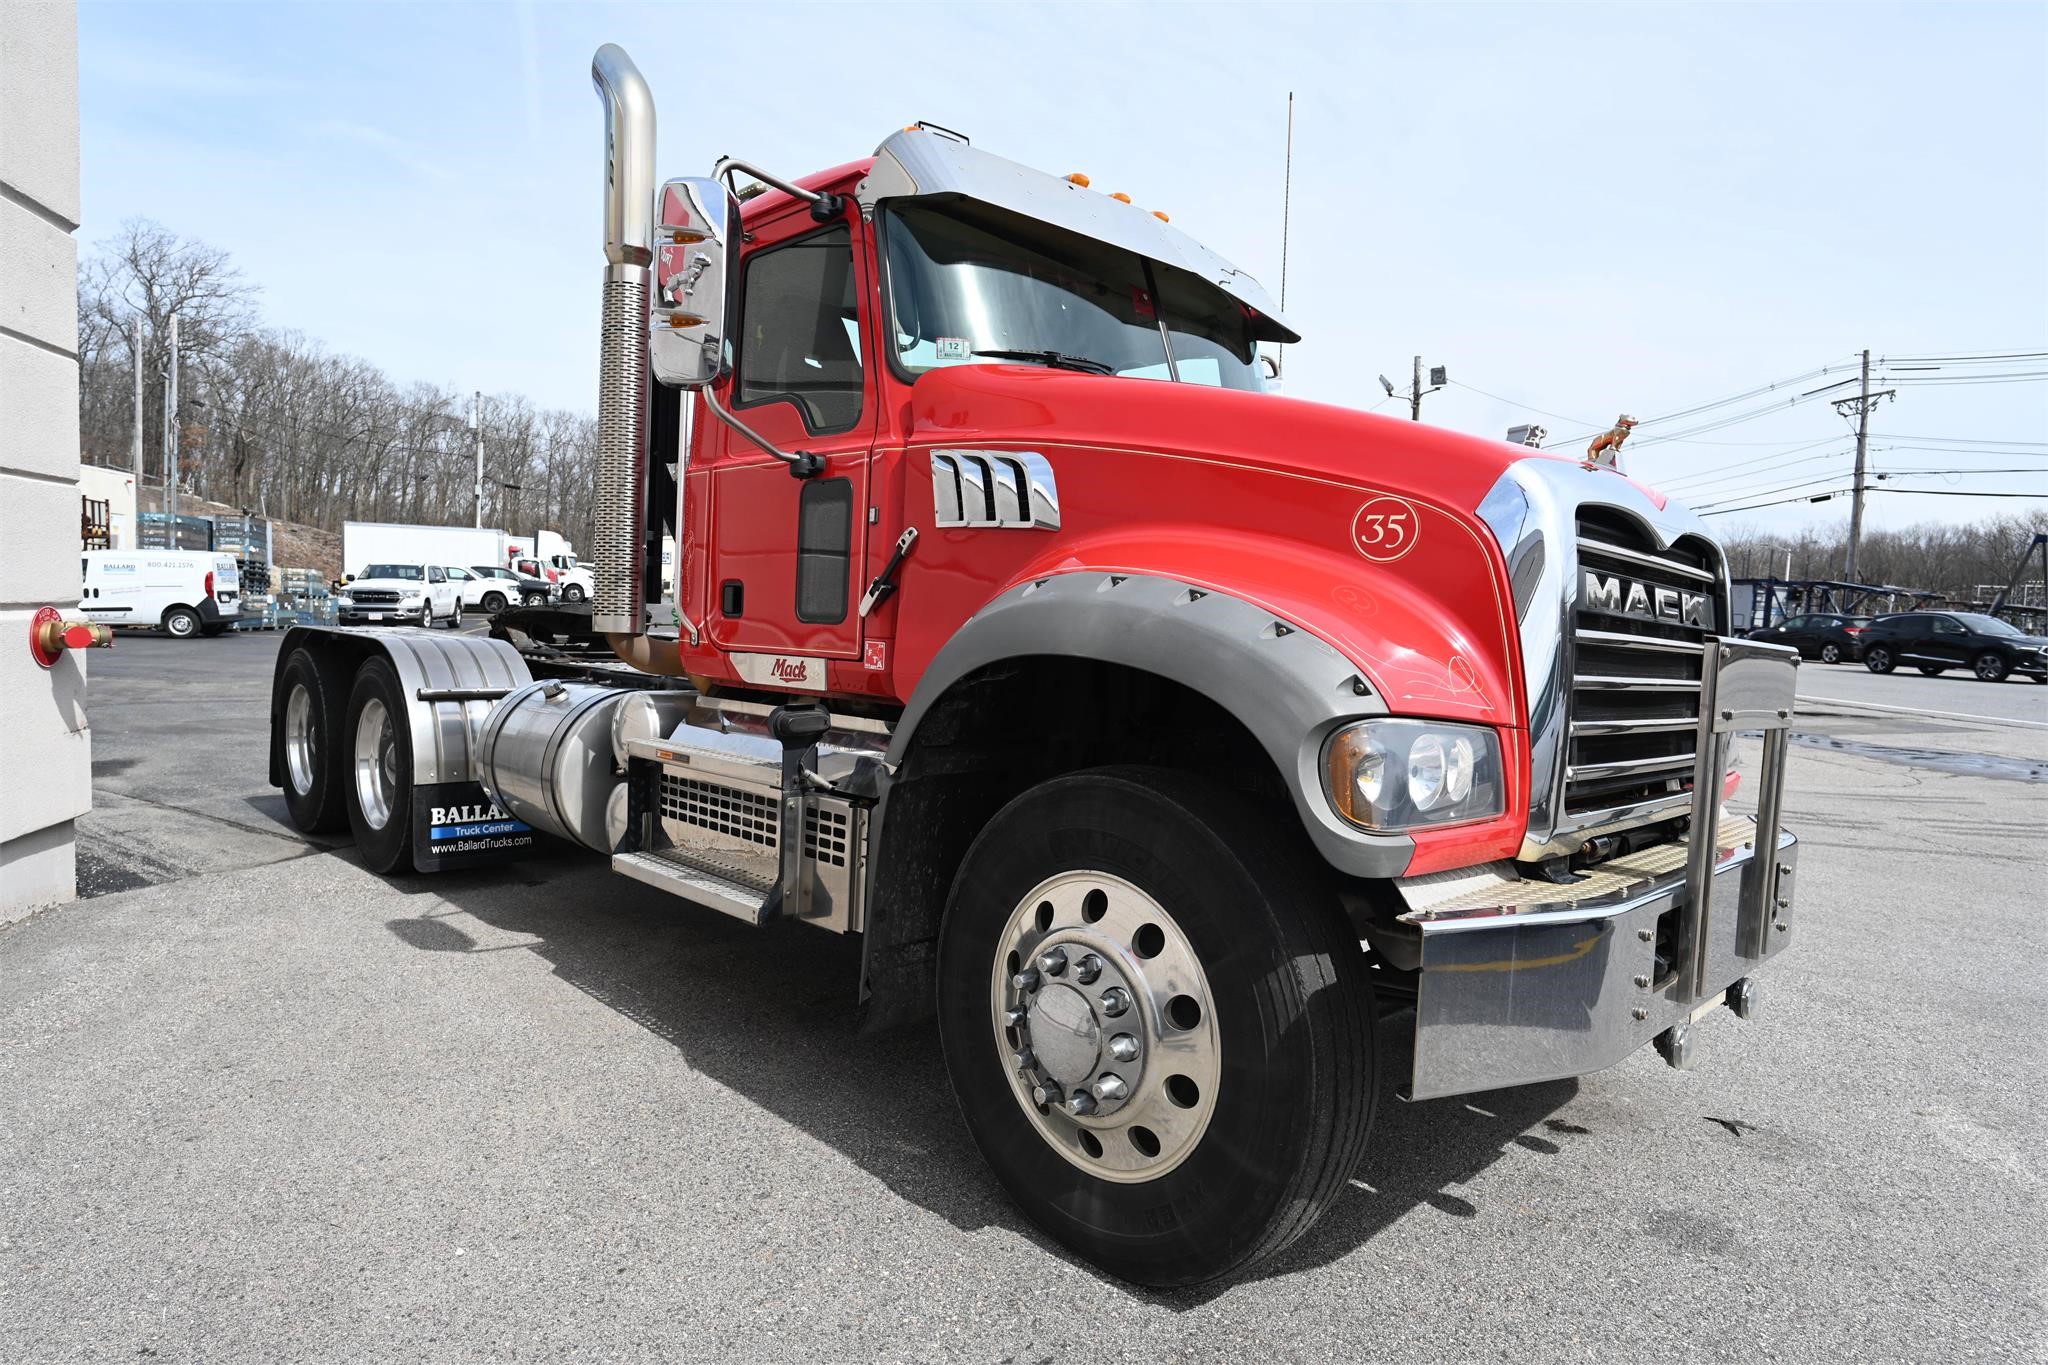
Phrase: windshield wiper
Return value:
(1059, 360)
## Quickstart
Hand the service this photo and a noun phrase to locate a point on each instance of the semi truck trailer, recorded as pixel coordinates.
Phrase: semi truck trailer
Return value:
(1167, 742)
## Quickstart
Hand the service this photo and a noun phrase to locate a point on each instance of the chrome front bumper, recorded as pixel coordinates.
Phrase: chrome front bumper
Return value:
(1526, 981)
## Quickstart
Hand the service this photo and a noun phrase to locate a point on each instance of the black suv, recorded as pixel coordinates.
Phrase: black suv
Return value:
(1934, 641)
(1824, 636)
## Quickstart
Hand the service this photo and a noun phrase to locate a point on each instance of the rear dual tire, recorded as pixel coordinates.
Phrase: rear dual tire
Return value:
(376, 745)
(309, 745)
(1265, 997)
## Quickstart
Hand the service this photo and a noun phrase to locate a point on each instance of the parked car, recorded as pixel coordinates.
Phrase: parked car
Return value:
(1826, 636)
(419, 593)
(1936, 641)
(493, 587)
(183, 592)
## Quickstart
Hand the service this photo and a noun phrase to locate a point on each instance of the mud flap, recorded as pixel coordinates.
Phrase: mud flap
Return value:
(454, 824)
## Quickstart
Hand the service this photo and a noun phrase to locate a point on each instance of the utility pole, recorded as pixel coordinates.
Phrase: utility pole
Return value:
(1861, 404)
(171, 437)
(1438, 377)
(476, 426)
(135, 439)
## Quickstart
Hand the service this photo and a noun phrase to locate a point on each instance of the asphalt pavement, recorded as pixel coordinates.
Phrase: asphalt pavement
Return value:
(257, 1104)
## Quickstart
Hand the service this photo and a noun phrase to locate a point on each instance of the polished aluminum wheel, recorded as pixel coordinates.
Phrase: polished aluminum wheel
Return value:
(300, 743)
(1104, 1020)
(376, 764)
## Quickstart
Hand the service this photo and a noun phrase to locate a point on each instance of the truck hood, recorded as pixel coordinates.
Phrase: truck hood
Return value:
(1256, 430)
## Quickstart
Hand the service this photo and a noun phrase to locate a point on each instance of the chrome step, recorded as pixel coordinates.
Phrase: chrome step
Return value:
(673, 871)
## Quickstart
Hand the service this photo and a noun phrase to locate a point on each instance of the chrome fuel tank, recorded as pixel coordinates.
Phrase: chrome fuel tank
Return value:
(545, 756)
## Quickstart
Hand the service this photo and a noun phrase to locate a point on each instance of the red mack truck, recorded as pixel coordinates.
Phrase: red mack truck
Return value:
(1165, 738)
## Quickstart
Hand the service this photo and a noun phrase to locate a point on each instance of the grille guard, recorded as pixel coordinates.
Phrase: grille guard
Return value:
(1526, 981)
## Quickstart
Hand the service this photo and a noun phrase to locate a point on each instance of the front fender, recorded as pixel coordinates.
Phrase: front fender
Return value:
(1289, 687)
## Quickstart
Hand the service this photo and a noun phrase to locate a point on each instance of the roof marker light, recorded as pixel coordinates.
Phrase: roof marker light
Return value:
(1121, 198)
(1160, 216)
(1078, 179)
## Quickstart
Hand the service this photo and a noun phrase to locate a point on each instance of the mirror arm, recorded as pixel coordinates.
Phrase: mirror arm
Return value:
(824, 207)
(802, 464)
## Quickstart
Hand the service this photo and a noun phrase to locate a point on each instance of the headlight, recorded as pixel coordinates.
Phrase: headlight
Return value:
(342, 601)
(413, 599)
(1389, 775)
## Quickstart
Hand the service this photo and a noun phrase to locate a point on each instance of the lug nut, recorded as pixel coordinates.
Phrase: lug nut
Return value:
(1115, 1001)
(1123, 1047)
(1026, 980)
(1110, 1088)
(1015, 1017)
(1041, 1095)
(1026, 1060)
(1088, 968)
(1082, 1104)
(1054, 962)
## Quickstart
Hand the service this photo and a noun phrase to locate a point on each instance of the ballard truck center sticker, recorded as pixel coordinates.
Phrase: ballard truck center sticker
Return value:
(1385, 529)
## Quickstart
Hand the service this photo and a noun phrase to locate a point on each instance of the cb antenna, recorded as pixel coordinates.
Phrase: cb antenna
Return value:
(1286, 198)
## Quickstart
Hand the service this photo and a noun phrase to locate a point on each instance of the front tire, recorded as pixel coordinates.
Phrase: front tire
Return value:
(573, 593)
(377, 741)
(1991, 667)
(1229, 1099)
(1831, 654)
(1878, 659)
(493, 603)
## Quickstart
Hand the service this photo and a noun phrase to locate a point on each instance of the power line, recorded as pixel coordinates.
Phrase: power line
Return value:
(1836, 493)
(1541, 412)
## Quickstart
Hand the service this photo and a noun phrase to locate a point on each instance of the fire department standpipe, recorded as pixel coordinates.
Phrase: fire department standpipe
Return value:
(1163, 739)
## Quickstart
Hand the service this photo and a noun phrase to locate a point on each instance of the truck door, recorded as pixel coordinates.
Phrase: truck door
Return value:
(784, 550)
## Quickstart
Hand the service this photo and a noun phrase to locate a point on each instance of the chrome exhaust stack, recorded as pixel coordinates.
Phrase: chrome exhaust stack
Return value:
(618, 603)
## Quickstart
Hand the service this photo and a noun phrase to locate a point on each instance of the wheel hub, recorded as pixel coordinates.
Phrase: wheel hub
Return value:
(1104, 1015)
(1060, 1027)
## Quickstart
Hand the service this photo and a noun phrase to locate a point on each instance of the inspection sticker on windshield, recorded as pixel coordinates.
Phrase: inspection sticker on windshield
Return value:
(952, 348)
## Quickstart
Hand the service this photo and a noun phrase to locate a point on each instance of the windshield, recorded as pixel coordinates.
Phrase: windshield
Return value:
(967, 278)
(409, 571)
(1986, 625)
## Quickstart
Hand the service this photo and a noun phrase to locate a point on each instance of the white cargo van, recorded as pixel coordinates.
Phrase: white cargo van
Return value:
(183, 592)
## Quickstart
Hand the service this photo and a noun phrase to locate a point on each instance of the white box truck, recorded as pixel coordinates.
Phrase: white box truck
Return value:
(185, 593)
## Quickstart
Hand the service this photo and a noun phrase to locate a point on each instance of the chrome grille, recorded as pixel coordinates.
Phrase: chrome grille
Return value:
(374, 597)
(1635, 671)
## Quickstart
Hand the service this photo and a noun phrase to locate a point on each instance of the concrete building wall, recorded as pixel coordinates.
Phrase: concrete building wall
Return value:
(45, 746)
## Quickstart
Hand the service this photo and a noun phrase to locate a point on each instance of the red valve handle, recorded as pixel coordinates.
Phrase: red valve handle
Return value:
(49, 635)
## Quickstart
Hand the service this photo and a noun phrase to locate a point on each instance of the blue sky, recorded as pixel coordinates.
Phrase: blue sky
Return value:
(1582, 209)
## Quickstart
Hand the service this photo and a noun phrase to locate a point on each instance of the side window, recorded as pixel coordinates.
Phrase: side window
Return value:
(434, 575)
(799, 335)
(1944, 626)
(458, 575)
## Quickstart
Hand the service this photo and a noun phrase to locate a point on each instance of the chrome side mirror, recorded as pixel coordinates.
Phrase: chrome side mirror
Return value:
(696, 230)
